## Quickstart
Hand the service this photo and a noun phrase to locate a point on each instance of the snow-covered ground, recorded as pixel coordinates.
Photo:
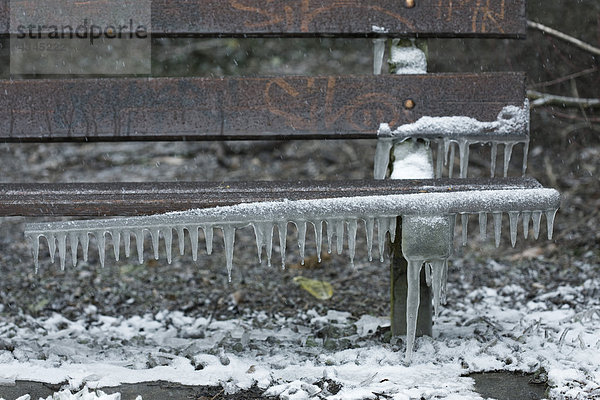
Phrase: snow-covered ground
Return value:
(482, 329)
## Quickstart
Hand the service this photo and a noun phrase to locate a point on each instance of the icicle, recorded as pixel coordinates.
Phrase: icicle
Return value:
(369, 227)
(437, 267)
(101, 241)
(494, 158)
(329, 236)
(497, 227)
(465, 226)
(444, 283)
(428, 272)
(483, 225)
(382, 228)
(508, 149)
(74, 241)
(139, 241)
(537, 219)
(181, 239)
(85, 244)
(379, 52)
(62, 249)
(514, 219)
(392, 224)
(382, 157)
(35, 244)
(51, 245)
(194, 239)
(127, 243)
(168, 237)
(268, 232)
(451, 162)
(301, 226)
(259, 234)
(282, 228)
(526, 218)
(339, 233)
(352, 228)
(229, 239)
(412, 304)
(155, 235)
(550, 216)
(318, 225)
(208, 236)
(464, 157)
(439, 162)
(525, 155)
(115, 235)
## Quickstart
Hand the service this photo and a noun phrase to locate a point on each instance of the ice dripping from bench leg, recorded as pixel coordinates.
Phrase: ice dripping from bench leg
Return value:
(425, 240)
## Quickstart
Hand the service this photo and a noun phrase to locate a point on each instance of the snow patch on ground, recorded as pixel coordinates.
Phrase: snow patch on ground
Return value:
(485, 330)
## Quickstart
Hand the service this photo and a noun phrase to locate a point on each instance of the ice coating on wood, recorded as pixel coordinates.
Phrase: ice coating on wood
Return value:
(367, 211)
(510, 128)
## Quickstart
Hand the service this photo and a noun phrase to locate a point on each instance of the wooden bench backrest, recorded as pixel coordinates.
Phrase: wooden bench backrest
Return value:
(123, 109)
(317, 18)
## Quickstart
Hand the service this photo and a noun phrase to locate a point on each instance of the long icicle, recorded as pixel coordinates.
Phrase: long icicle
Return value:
(74, 242)
(369, 228)
(494, 159)
(115, 235)
(550, 215)
(526, 218)
(62, 249)
(537, 219)
(339, 233)
(508, 149)
(168, 238)
(412, 304)
(513, 217)
(465, 226)
(194, 239)
(229, 241)
(318, 227)
(497, 227)
(352, 229)
(483, 225)
(301, 226)
(282, 228)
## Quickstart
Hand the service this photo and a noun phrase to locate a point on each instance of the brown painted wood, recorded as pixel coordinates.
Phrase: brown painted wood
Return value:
(121, 109)
(301, 18)
(130, 199)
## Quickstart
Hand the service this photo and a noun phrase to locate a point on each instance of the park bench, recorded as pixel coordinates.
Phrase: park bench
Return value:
(439, 112)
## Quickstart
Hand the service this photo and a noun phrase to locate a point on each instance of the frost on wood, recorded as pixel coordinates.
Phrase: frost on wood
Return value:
(449, 134)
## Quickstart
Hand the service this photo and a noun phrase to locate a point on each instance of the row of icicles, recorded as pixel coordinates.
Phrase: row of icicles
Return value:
(338, 228)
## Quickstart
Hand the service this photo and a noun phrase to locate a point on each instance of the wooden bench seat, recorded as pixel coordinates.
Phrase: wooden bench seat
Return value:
(131, 199)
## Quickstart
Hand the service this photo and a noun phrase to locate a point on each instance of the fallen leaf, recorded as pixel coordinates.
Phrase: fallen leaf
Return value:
(318, 289)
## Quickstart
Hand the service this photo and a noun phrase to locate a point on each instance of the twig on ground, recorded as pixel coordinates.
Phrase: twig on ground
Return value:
(563, 36)
(546, 99)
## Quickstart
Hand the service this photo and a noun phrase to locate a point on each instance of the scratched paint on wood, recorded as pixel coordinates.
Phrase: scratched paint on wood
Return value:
(343, 18)
(242, 108)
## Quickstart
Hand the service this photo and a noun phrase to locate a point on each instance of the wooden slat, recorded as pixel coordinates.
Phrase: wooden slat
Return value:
(285, 18)
(131, 199)
(243, 108)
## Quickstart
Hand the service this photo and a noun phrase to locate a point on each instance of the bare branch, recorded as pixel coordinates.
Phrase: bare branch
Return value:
(563, 36)
(546, 99)
(565, 78)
